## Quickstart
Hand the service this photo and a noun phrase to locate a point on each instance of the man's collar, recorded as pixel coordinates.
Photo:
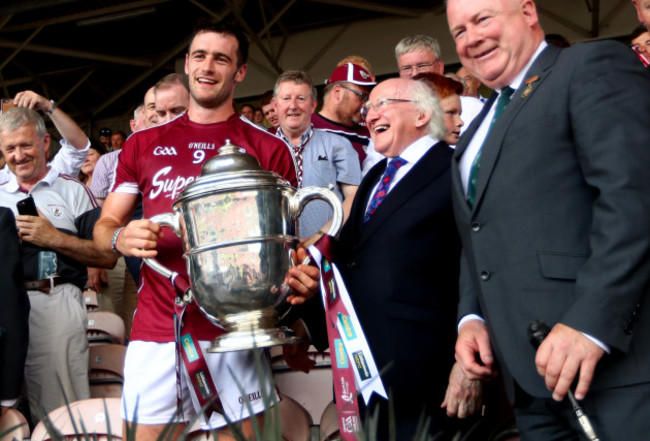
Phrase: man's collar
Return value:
(13, 186)
(417, 150)
(520, 77)
(303, 138)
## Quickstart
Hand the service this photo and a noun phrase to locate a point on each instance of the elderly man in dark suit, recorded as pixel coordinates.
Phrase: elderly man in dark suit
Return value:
(14, 313)
(552, 204)
(398, 255)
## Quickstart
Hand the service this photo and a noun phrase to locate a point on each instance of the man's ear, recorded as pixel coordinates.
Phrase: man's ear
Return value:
(241, 73)
(422, 119)
(530, 12)
(46, 145)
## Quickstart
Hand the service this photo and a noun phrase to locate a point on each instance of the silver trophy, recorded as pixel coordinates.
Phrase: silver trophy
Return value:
(237, 223)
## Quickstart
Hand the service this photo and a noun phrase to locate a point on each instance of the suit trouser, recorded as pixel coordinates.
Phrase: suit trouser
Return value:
(617, 414)
(58, 349)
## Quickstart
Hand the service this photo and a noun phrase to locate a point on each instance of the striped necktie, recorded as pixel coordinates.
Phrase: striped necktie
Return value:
(384, 185)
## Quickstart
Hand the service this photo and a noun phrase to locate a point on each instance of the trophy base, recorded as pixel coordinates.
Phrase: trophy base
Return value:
(252, 339)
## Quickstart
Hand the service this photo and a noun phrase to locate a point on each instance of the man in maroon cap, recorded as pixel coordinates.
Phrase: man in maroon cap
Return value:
(346, 90)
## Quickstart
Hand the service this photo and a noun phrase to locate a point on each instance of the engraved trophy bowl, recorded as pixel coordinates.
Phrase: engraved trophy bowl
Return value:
(237, 225)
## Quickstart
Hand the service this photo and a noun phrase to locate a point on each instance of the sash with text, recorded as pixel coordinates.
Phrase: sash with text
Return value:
(353, 366)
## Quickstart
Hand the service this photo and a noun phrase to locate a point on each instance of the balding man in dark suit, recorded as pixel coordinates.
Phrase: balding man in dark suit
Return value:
(552, 201)
(398, 254)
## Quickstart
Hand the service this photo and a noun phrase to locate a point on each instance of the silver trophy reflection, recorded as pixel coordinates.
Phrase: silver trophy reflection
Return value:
(237, 224)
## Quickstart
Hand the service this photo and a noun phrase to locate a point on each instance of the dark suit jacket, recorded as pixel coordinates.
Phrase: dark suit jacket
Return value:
(14, 310)
(560, 230)
(401, 269)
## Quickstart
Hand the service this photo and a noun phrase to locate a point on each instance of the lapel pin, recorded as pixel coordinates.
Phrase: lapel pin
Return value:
(529, 86)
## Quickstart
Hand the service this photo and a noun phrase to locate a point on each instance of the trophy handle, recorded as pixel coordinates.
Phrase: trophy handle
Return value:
(170, 220)
(306, 194)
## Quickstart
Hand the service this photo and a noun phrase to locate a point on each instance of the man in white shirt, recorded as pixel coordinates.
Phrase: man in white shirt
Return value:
(74, 142)
(398, 255)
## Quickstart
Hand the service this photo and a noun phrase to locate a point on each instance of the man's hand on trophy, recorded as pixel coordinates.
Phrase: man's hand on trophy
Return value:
(139, 238)
(302, 278)
(297, 355)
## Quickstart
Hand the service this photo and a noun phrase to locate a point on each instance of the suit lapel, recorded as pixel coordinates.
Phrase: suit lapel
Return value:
(537, 73)
(428, 168)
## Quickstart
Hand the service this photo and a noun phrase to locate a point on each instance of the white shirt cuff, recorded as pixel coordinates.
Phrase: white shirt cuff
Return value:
(598, 343)
(469, 317)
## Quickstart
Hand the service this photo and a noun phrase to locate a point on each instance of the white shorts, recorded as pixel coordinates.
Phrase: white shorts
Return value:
(150, 384)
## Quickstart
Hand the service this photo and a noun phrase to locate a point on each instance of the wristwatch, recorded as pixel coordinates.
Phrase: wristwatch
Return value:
(52, 109)
(114, 240)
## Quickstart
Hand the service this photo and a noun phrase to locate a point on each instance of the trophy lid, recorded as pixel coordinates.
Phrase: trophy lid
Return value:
(231, 158)
(231, 169)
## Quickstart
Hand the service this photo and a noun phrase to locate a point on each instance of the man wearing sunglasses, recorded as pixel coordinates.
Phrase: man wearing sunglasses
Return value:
(345, 92)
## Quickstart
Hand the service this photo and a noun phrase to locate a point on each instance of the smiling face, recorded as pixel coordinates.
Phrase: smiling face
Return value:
(151, 119)
(294, 106)
(212, 68)
(394, 125)
(25, 153)
(494, 38)
(451, 115)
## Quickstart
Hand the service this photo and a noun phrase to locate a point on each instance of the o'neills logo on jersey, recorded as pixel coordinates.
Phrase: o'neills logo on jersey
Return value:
(165, 151)
(202, 145)
(170, 186)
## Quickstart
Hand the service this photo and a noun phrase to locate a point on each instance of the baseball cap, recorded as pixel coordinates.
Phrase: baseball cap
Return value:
(351, 73)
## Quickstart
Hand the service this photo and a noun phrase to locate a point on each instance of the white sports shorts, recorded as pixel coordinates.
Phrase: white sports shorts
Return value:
(150, 385)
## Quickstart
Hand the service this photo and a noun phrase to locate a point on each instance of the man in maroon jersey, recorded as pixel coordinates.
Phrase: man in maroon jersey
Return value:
(157, 164)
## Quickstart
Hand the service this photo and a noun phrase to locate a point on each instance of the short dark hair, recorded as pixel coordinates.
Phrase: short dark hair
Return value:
(638, 31)
(227, 28)
(266, 98)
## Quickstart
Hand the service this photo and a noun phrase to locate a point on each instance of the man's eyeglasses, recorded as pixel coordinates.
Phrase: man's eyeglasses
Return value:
(418, 67)
(381, 105)
(362, 96)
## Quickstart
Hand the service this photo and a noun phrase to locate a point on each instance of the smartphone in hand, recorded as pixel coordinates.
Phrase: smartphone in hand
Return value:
(27, 206)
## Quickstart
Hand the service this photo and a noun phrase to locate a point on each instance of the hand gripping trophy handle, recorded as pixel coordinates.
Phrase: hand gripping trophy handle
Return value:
(172, 221)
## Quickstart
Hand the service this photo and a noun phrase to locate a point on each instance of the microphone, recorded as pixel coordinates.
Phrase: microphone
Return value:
(537, 332)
